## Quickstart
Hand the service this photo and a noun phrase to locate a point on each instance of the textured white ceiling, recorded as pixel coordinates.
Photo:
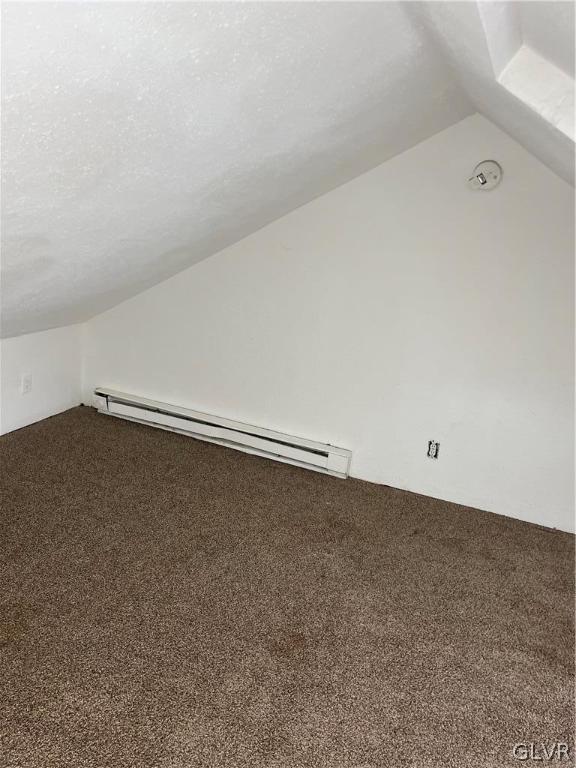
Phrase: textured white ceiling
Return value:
(138, 138)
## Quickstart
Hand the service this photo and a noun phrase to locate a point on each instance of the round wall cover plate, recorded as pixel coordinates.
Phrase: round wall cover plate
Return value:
(487, 175)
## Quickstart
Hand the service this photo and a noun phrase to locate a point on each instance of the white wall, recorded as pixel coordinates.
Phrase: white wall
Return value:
(53, 361)
(399, 308)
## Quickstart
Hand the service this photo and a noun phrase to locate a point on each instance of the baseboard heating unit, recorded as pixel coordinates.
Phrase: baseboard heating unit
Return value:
(233, 434)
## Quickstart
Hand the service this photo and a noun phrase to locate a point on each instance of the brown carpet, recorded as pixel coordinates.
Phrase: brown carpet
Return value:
(168, 603)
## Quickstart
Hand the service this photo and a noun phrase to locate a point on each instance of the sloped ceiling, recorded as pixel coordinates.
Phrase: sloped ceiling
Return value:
(139, 138)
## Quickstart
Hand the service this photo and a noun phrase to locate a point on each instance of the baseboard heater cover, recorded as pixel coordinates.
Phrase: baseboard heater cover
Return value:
(233, 434)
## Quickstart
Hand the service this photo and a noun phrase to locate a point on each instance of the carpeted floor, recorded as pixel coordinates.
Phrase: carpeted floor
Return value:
(168, 603)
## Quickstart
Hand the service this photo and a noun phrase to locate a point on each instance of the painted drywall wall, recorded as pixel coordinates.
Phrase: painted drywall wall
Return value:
(51, 360)
(400, 308)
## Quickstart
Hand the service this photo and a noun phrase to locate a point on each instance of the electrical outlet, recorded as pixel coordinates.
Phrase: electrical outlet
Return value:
(433, 449)
(25, 383)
